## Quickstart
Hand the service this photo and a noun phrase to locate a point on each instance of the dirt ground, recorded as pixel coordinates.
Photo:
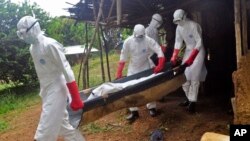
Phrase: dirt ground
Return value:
(174, 122)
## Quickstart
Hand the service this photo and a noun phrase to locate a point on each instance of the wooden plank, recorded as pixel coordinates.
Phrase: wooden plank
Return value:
(119, 11)
(244, 26)
(237, 24)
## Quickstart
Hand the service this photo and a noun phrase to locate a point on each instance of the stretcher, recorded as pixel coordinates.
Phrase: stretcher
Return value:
(132, 96)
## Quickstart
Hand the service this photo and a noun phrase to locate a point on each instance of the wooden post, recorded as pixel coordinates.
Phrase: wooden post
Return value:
(237, 18)
(106, 52)
(93, 37)
(119, 11)
(85, 82)
(101, 56)
(244, 26)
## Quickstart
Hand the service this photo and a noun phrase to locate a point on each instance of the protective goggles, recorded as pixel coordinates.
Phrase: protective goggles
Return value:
(22, 31)
(139, 36)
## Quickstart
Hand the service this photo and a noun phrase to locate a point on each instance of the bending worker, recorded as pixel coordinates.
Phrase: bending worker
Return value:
(152, 32)
(195, 72)
(138, 49)
(56, 82)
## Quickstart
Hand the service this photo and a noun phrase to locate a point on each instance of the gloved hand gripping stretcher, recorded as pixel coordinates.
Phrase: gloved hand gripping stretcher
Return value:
(148, 90)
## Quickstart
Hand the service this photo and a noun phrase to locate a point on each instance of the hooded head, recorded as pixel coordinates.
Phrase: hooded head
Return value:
(179, 16)
(28, 29)
(139, 31)
(156, 20)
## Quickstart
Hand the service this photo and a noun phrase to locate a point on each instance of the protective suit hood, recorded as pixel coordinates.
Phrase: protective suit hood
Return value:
(139, 31)
(28, 29)
(156, 20)
(179, 16)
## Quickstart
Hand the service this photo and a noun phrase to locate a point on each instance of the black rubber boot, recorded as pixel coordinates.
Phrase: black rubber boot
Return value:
(152, 112)
(184, 103)
(191, 107)
(133, 116)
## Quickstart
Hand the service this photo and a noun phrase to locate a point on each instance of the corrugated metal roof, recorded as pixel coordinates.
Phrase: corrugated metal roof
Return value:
(76, 49)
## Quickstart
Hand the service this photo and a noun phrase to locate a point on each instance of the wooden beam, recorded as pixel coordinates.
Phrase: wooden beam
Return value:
(111, 9)
(237, 24)
(119, 11)
(248, 5)
(93, 36)
(244, 26)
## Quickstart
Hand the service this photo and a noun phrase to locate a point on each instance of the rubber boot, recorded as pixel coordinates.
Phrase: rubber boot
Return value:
(152, 112)
(191, 107)
(133, 116)
(184, 103)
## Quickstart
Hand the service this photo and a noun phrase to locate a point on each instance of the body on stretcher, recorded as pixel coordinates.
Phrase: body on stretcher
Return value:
(109, 87)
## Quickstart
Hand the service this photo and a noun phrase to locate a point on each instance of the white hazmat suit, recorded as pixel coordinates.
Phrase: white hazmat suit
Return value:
(152, 32)
(152, 29)
(137, 49)
(56, 83)
(190, 32)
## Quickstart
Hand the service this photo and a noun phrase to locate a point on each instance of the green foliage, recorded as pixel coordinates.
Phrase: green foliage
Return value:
(3, 125)
(95, 75)
(17, 99)
(67, 32)
(95, 128)
(15, 61)
(126, 32)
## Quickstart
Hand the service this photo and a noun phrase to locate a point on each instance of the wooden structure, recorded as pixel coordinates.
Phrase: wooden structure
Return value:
(224, 23)
(134, 99)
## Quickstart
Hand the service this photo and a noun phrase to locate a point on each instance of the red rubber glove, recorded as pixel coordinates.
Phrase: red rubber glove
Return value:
(163, 48)
(76, 102)
(174, 56)
(160, 66)
(121, 65)
(192, 56)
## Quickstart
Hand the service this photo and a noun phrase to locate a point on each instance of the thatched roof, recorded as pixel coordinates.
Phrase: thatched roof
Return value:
(133, 11)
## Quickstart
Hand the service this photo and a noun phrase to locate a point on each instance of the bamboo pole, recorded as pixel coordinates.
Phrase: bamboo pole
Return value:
(111, 9)
(244, 26)
(94, 35)
(101, 56)
(119, 11)
(82, 66)
(106, 53)
(87, 63)
(99, 43)
(237, 30)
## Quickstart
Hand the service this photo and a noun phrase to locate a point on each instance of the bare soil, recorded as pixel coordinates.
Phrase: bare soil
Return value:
(176, 124)
(241, 80)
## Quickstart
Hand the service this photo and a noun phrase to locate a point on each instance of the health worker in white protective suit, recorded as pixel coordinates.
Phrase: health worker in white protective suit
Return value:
(138, 48)
(190, 32)
(56, 82)
(152, 32)
(153, 27)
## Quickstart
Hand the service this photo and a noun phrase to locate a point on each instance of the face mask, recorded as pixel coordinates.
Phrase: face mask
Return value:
(25, 35)
(180, 23)
(139, 37)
